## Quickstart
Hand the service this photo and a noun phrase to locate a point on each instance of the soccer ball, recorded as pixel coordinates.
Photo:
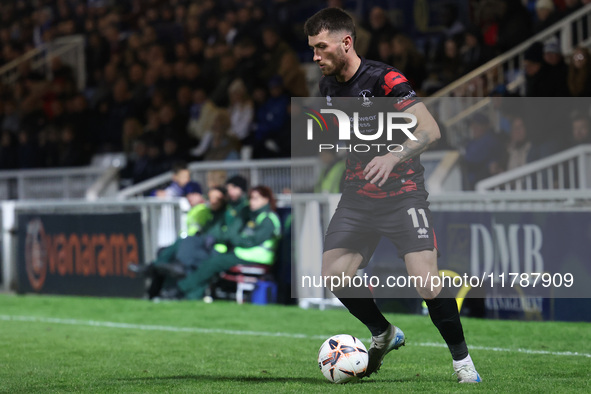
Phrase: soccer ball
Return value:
(342, 359)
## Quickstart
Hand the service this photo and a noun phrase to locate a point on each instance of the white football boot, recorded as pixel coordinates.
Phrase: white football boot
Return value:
(466, 373)
(391, 339)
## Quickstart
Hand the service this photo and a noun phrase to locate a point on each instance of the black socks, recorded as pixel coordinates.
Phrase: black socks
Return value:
(442, 309)
(444, 314)
(359, 301)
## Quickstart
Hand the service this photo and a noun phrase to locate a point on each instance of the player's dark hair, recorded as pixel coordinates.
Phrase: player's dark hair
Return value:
(331, 19)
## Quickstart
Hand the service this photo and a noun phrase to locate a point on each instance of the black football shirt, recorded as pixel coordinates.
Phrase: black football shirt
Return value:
(376, 79)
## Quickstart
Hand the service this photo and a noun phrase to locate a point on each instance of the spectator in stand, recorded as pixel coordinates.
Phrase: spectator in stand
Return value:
(519, 146)
(249, 64)
(218, 143)
(380, 28)
(114, 112)
(538, 74)
(226, 31)
(482, 153)
(183, 102)
(194, 77)
(579, 73)
(241, 110)
(280, 59)
(139, 91)
(244, 24)
(202, 115)
(275, 50)
(62, 74)
(167, 81)
(181, 183)
(28, 153)
(293, 75)
(8, 151)
(408, 60)
(488, 18)
(171, 126)
(195, 51)
(570, 6)
(171, 153)
(132, 129)
(452, 25)
(556, 71)
(384, 51)
(152, 122)
(140, 166)
(70, 149)
(271, 120)
(546, 13)
(514, 25)
(106, 78)
(473, 53)
(580, 130)
(451, 66)
(143, 50)
(11, 118)
(226, 74)
(48, 141)
(501, 108)
(82, 118)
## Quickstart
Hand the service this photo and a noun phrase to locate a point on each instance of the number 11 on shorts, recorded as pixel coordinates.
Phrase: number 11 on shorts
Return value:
(415, 219)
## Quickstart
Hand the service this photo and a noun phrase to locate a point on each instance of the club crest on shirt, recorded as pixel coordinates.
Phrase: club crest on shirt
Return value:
(366, 94)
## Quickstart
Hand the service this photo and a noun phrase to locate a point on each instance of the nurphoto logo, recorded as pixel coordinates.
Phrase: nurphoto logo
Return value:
(347, 123)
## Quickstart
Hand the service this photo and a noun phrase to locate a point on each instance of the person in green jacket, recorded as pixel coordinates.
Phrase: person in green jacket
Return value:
(176, 260)
(236, 213)
(255, 243)
(237, 207)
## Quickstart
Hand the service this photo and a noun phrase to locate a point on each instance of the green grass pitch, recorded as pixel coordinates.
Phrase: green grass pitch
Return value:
(78, 344)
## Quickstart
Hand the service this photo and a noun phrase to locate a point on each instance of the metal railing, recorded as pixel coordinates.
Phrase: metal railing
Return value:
(278, 174)
(442, 171)
(473, 88)
(44, 184)
(69, 49)
(106, 185)
(567, 170)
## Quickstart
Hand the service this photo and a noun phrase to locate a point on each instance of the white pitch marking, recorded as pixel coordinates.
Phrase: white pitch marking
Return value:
(197, 330)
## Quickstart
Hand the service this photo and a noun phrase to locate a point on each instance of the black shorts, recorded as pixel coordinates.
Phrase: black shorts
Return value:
(359, 222)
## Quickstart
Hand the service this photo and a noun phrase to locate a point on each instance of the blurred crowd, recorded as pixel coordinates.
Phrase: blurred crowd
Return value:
(211, 80)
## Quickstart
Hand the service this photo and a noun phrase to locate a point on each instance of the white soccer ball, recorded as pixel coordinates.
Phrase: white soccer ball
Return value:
(342, 359)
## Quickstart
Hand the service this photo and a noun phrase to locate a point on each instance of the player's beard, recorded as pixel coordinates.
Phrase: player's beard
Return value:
(339, 63)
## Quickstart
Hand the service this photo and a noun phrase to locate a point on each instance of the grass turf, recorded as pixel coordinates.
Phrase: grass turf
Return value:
(76, 344)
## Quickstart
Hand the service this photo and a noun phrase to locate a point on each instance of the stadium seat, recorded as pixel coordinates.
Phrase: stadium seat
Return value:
(246, 277)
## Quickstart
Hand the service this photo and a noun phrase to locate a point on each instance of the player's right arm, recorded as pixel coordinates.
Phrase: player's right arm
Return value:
(426, 133)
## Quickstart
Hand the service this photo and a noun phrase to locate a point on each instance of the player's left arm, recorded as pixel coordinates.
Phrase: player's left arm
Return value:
(426, 133)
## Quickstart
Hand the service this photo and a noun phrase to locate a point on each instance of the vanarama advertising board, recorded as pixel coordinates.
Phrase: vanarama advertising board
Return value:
(82, 254)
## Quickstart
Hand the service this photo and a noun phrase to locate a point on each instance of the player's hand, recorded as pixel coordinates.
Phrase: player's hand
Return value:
(379, 168)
